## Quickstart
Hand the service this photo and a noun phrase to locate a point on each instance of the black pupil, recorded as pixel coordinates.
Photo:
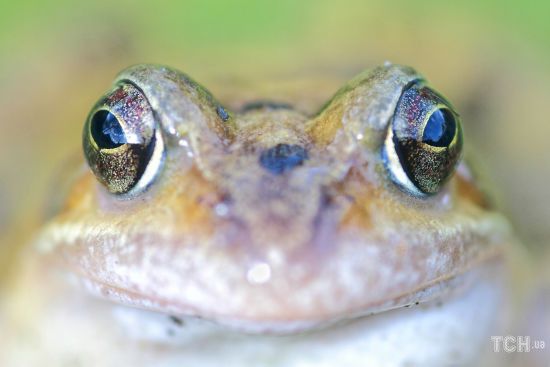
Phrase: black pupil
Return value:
(440, 128)
(282, 158)
(106, 130)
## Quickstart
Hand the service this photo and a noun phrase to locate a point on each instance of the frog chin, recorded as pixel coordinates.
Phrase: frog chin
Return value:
(456, 328)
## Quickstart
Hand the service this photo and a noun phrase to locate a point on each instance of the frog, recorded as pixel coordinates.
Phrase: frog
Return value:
(264, 234)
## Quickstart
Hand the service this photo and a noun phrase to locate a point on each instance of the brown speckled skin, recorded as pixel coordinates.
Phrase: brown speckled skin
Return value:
(338, 236)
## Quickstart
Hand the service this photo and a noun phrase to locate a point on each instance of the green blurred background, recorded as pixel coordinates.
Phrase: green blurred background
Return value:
(491, 58)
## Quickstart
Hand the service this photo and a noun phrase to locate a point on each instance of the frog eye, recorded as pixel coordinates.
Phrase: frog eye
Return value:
(424, 141)
(121, 142)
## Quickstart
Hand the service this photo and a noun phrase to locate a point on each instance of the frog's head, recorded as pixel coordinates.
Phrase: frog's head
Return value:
(268, 217)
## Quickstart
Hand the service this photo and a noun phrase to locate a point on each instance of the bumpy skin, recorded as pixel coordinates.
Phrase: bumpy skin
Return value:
(218, 236)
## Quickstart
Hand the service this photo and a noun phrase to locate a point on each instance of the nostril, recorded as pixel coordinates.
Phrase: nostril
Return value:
(282, 158)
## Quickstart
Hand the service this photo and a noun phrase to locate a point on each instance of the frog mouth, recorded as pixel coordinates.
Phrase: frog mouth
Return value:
(395, 326)
(233, 289)
(440, 289)
(427, 333)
